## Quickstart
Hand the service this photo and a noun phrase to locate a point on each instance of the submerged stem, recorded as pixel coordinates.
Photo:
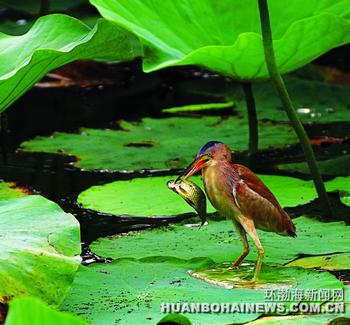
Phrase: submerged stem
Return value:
(289, 108)
(252, 118)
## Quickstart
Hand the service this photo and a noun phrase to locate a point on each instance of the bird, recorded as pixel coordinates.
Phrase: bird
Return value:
(237, 193)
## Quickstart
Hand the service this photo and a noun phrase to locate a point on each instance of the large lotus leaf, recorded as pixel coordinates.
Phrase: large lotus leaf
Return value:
(156, 143)
(339, 261)
(157, 200)
(335, 167)
(47, 45)
(220, 242)
(342, 185)
(131, 291)
(224, 36)
(39, 249)
(315, 101)
(31, 311)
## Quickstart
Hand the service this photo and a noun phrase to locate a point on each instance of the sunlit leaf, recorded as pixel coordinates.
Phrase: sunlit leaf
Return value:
(224, 36)
(47, 45)
(32, 311)
(219, 241)
(339, 261)
(342, 185)
(151, 267)
(157, 200)
(39, 248)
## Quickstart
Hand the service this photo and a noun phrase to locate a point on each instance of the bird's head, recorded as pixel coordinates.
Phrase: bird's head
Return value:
(211, 153)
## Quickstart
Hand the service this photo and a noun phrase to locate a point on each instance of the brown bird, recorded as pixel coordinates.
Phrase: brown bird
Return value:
(237, 193)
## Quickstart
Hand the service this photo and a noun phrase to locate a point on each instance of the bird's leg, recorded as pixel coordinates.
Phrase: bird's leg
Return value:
(244, 240)
(249, 227)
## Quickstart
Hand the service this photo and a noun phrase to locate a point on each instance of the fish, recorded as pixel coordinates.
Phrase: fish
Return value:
(192, 194)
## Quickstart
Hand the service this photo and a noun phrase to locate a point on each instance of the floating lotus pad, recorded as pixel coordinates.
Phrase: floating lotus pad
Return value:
(342, 185)
(150, 196)
(32, 311)
(221, 243)
(132, 291)
(195, 32)
(331, 262)
(47, 46)
(132, 288)
(39, 248)
(156, 143)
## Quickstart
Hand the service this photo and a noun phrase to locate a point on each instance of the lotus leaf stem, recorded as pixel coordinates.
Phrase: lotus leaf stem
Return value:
(289, 108)
(252, 118)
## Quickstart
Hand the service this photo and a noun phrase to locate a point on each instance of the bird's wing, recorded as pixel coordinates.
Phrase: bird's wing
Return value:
(254, 184)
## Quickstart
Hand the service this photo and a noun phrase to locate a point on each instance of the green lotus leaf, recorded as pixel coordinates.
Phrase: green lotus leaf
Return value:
(315, 101)
(48, 45)
(224, 36)
(39, 248)
(342, 185)
(32, 311)
(151, 267)
(331, 262)
(220, 242)
(131, 291)
(157, 200)
(156, 143)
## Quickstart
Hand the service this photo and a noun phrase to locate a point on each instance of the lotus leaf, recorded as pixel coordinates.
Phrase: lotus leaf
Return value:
(156, 143)
(224, 36)
(135, 284)
(131, 291)
(40, 247)
(342, 185)
(339, 261)
(32, 311)
(221, 243)
(26, 59)
(119, 197)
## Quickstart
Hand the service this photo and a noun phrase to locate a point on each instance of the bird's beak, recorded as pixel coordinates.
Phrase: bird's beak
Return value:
(197, 164)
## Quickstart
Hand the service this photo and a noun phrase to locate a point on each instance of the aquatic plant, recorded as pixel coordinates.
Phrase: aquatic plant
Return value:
(25, 59)
(226, 38)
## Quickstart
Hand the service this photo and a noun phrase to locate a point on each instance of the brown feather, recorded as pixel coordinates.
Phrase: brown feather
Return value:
(263, 207)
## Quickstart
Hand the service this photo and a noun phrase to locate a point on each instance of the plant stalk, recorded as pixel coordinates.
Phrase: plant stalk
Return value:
(289, 108)
(252, 118)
